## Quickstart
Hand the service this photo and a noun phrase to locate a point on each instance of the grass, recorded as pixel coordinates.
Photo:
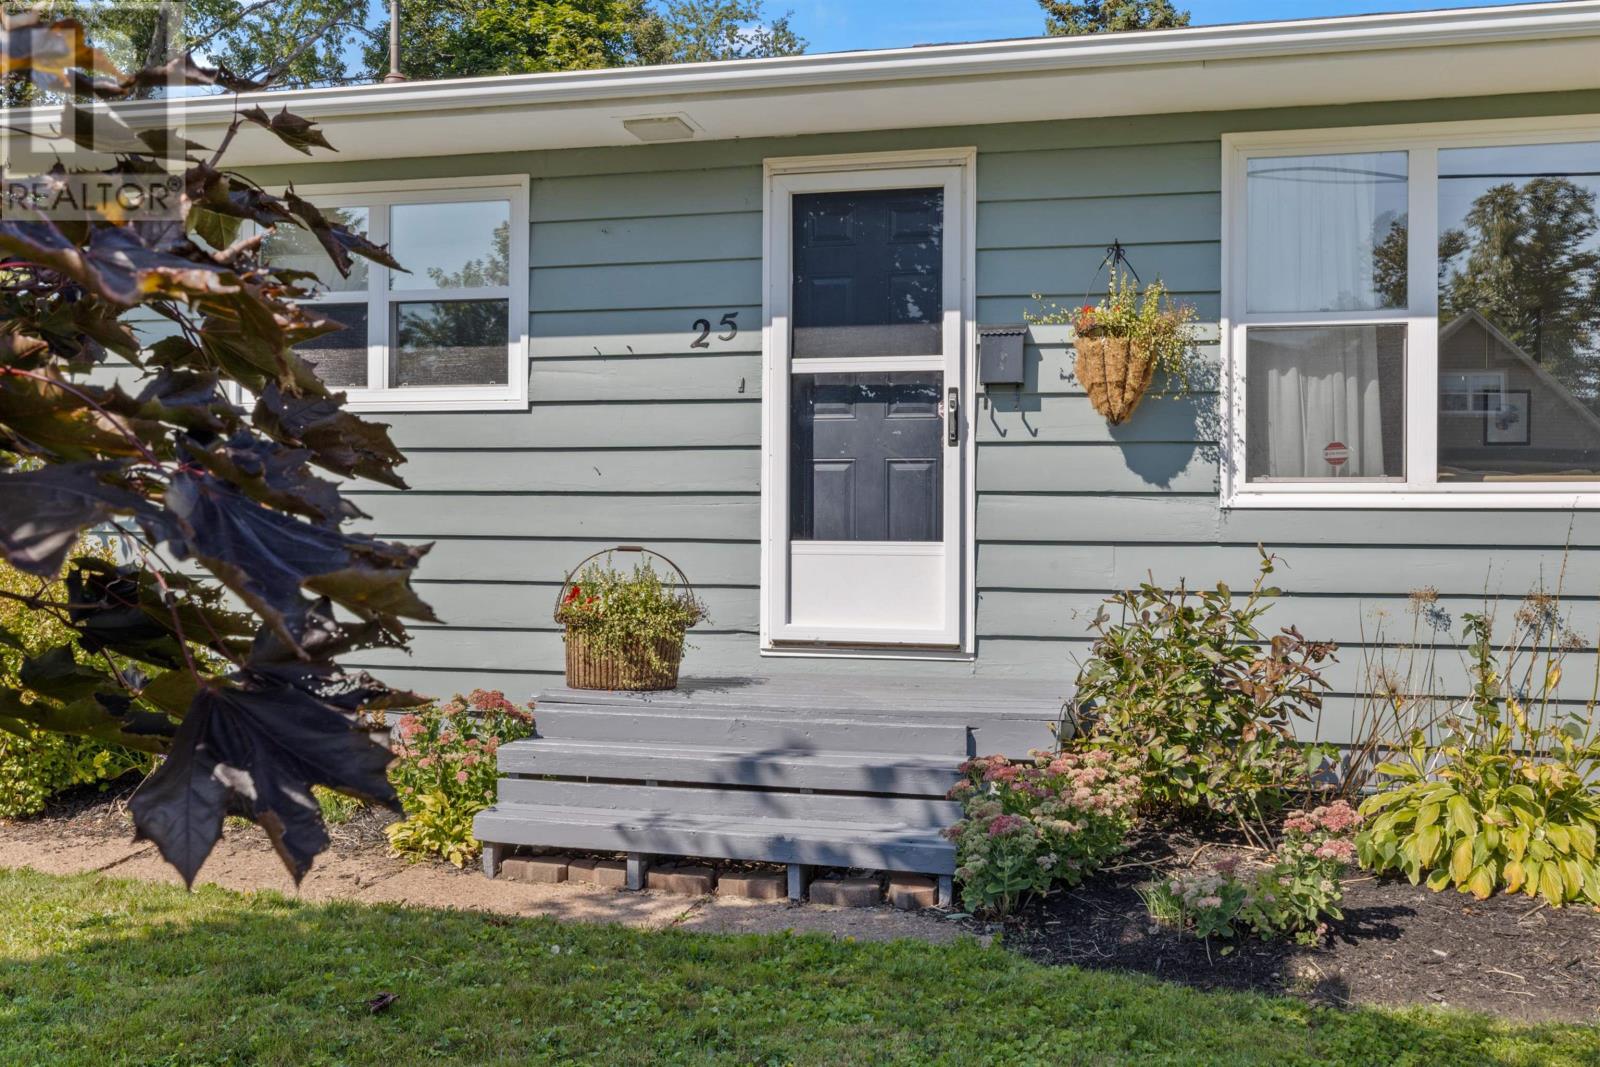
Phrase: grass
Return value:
(99, 971)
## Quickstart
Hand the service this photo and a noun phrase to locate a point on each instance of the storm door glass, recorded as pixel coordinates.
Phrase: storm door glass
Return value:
(866, 444)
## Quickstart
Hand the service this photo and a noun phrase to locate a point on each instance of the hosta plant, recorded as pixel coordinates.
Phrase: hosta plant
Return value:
(1029, 826)
(1294, 894)
(1509, 801)
(445, 771)
(1189, 686)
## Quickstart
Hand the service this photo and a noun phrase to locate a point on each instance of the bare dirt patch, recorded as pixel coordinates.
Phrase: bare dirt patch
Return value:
(92, 831)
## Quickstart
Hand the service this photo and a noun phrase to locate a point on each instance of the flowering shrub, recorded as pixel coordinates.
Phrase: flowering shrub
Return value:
(445, 771)
(1029, 826)
(1189, 684)
(1293, 894)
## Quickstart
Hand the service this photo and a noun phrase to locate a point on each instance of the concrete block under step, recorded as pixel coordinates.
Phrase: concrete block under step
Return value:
(686, 881)
(613, 874)
(758, 885)
(847, 892)
(908, 892)
(542, 870)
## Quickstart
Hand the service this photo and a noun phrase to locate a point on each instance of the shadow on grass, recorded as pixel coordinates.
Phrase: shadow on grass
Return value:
(94, 970)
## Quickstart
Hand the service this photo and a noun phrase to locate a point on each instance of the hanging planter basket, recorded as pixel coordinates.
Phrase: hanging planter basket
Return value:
(1115, 372)
(643, 664)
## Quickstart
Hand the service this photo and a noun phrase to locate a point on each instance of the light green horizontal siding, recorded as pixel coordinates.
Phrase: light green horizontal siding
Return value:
(634, 436)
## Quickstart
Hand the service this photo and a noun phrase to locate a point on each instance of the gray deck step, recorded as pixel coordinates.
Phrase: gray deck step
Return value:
(855, 771)
(765, 729)
(736, 837)
(882, 811)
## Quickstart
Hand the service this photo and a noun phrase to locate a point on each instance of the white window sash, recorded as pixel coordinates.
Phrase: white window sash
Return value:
(379, 198)
(1420, 488)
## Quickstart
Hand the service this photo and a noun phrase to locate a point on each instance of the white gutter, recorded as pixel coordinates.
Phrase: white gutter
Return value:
(1323, 37)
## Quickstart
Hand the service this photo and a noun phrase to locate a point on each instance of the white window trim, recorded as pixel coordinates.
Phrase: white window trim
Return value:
(384, 194)
(1421, 488)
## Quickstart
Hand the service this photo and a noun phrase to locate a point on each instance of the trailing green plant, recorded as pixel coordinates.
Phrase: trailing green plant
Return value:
(36, 764)
(638, 612)
(1295, 893)
(1162, 328)
(1187, 686)
(444, 771)
(1026, 827)
(1509, 800)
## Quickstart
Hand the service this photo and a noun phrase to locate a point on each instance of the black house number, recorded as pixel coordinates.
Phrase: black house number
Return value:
(730, 320)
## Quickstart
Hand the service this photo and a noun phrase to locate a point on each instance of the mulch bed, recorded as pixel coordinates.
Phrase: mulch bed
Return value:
(1398, 944)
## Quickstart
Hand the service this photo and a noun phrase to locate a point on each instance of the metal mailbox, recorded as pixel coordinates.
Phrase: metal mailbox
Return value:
(1000, 355)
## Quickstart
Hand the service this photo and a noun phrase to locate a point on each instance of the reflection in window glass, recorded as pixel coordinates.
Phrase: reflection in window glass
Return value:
(1326, 233)
(1325, 402)
(451, 246)
(866, 457)
(340, 357)
(869, 273)
(449, 342)
(298, 249)
(1519, 313)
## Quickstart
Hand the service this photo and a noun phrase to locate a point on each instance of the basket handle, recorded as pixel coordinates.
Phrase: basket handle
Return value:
(574, 572)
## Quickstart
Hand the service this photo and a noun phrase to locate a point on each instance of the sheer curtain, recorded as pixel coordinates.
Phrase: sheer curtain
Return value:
(1314, 225)
(1321, 386)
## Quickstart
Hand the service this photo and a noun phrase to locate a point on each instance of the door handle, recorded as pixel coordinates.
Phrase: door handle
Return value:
(952, 414)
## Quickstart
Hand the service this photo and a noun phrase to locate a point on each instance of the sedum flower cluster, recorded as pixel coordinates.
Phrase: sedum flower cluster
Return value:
(1295, 893)
(1030, 826)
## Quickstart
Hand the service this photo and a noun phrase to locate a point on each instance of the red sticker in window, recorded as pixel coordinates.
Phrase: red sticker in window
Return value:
(1336, 453)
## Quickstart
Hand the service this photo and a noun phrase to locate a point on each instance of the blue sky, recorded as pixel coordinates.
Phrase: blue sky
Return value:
(839, 25)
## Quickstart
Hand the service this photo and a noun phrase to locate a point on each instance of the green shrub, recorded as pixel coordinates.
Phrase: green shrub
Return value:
(1029, 826)
(622, 614)
(445, 771)
(1295, 893)
(1187, 686)
(35, 765)
(1508, 801)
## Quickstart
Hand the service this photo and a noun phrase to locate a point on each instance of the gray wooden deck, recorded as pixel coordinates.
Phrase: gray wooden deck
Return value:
(801, 771)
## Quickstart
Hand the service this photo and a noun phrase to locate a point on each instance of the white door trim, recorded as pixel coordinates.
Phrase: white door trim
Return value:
(956, 170)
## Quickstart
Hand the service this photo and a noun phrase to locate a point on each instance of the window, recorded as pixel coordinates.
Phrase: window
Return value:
(1412, 317)
(447, 333)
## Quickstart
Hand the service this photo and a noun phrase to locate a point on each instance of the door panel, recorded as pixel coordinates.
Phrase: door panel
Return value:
(866, 457)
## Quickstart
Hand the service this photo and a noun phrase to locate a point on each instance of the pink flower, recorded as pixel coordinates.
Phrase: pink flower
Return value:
(461, 776)
(426, 761)
(1006, 824)
(1342, 851)
(1337, 817)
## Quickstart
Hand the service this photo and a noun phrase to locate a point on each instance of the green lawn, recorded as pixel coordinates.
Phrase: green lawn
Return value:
(99, 971)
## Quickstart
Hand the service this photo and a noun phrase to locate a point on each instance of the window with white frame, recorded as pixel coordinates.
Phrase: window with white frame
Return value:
(1413, 316)
(446, 333)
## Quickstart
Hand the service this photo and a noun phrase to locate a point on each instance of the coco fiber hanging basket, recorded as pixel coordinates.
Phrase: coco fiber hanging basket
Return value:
(1115, 372)
(645, 663)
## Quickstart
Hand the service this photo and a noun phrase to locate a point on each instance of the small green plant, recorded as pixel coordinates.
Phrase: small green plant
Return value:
(627, 614)
(1159, 326)
(1029, 826)
(337, 808)
(1187, 686)
(35, 765)
(445, 771)
(1294, 894)
(1509, 800)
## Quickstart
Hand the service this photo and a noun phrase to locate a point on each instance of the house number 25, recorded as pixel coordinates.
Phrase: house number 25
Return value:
(730, 320)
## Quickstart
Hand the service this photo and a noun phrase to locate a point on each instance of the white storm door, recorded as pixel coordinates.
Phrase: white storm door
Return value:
(865, 408)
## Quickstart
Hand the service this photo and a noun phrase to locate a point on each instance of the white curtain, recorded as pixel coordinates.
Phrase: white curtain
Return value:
(1312, 222)
(1315, 388)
